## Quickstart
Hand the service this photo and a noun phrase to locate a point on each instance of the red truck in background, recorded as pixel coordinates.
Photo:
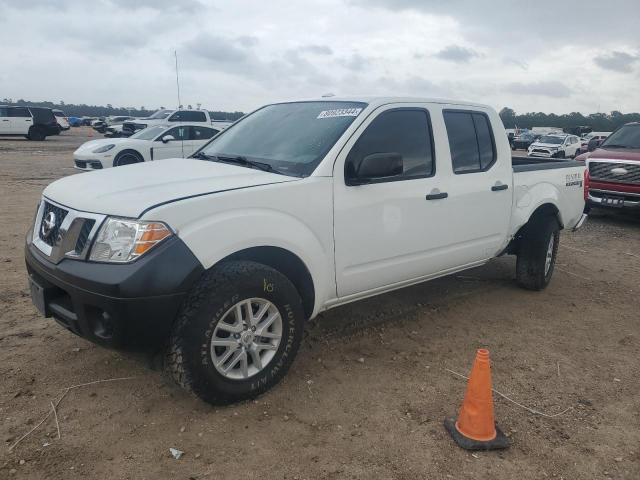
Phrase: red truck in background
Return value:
(614, 170)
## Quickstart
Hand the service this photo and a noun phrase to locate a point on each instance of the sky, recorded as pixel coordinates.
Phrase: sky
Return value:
(550, 56)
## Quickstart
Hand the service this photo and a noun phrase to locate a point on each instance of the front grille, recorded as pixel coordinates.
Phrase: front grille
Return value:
(53, 215)
(84, 164)
(83, 236)
(615, 172)
(540, 150)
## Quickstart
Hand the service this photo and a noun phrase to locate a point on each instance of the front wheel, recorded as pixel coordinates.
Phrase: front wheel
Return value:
(237, 333)
(127, 157)
(537, 253)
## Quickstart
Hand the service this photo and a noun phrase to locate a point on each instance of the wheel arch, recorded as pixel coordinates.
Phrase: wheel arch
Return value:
(128, 150)
(285, 262)
(547, 209)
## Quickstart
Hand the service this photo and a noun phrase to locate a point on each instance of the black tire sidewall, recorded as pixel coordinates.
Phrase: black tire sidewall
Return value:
(533, 253)
(36, 134)
(116, 161)
(194, 335)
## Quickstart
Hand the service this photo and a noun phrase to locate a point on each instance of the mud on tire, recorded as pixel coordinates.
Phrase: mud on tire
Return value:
(190, 359)
(532, 270)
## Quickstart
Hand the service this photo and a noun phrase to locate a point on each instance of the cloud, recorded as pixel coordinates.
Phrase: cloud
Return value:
(217, 50)
(355, 62)
(552, 89)
(616, 61)
(456, 53)
(317, 49)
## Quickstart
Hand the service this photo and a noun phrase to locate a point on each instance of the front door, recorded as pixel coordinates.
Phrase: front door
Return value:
(177, 148)
(391, 230)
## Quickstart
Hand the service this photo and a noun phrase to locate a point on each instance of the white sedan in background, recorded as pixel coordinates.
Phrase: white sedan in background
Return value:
(154, 143)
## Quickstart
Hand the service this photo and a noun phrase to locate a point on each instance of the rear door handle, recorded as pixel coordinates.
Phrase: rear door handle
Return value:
(437, 196)
(497, 188)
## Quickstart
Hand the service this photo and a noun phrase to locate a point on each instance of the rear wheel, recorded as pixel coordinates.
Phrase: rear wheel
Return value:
(537, 252)
(127, 157)
(237, 334)
(36, 134)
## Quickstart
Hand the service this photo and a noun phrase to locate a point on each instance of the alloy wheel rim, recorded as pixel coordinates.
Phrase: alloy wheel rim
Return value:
(549, 258)
(246, 338)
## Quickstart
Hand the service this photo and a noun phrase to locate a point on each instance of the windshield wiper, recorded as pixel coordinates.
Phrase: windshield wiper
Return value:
(245, 162)
(204, 156)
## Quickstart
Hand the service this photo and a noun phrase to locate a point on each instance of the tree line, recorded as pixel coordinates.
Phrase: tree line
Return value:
(599, 122)
(84, 110)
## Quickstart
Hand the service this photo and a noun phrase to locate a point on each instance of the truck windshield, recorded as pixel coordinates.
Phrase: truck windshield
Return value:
(291, 138)
(161, 114)
(627, 136)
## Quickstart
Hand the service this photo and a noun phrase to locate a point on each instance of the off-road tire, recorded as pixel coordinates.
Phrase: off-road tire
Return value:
(188, 358)
(36, 134)
(127, 157)
(532, 252)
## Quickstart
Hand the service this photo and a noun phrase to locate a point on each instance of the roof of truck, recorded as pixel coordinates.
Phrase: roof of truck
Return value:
(377, 101)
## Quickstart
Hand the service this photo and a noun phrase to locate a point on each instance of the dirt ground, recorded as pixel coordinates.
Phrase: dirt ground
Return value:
(366, 397)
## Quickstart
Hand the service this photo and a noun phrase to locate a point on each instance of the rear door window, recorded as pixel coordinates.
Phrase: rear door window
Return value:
(470, 141)
(202, 133)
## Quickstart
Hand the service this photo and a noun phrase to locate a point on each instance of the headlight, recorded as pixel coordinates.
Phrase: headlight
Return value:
(120, 240)
(104, 148)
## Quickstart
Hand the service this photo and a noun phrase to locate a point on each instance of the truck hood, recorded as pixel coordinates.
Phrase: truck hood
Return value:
(129, 191)
(630, 154)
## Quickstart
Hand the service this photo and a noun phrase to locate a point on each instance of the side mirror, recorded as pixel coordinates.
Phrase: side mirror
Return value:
(374, 166)
(168, 138)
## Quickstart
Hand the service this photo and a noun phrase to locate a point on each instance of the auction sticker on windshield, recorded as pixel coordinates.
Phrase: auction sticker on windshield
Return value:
(339, 112)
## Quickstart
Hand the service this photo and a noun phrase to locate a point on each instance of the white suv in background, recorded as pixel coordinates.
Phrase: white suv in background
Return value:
(555, 146)
(154, 143)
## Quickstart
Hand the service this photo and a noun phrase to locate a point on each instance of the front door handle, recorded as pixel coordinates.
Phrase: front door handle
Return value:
(437, 196)
(497, 188)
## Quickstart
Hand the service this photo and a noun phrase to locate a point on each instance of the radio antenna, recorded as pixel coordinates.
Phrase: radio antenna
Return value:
(175, 52)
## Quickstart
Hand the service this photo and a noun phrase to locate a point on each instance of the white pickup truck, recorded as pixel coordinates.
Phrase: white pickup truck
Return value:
(296, 208)
(171, 117)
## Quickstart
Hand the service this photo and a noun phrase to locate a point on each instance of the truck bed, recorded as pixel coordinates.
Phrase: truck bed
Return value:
(528, 164)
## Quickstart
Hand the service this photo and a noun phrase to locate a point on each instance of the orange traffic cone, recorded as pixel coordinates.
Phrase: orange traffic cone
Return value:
(475, 428)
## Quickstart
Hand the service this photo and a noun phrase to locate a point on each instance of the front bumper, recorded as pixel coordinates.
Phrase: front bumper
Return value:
(127, 306)
(614, 199)
(544, 154)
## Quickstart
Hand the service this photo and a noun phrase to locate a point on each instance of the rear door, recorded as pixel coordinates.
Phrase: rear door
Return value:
(480, 198)
(19, 120)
